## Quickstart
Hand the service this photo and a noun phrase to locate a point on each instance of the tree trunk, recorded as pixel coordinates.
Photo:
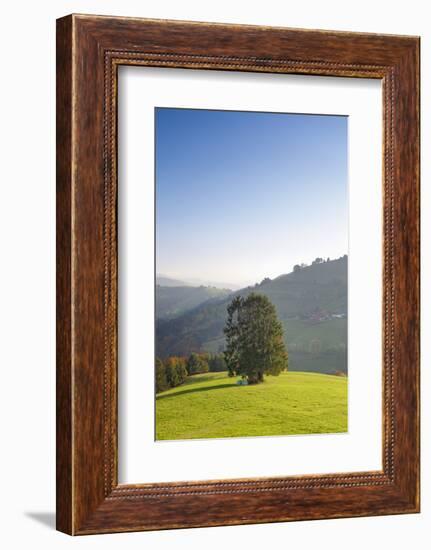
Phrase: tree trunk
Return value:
(255, 378)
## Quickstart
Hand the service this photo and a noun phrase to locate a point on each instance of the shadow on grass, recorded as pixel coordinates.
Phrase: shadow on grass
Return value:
(195, 390)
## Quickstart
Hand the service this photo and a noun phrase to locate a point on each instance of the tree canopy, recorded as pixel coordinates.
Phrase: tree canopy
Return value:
(197, 363)
(161, 380)
(176, 371)
(254, 339)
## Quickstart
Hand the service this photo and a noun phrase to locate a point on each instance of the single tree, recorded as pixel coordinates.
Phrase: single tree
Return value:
(171, 372)
(176, 371)
(181, 367)
(161, 380)
(254, 339)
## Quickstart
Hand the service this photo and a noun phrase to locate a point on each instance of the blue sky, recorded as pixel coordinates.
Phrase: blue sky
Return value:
(241, 195)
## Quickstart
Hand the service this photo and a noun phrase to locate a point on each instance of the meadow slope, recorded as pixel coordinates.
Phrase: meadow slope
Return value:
(213, 405)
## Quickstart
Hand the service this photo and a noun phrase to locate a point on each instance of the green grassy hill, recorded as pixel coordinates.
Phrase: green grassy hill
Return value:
(305, 300)
(213, 405)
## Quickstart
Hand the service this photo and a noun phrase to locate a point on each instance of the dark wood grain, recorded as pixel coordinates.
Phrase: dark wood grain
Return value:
(90, 49)
(64, 496)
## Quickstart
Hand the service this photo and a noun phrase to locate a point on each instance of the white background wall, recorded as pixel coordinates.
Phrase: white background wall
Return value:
(27, 244)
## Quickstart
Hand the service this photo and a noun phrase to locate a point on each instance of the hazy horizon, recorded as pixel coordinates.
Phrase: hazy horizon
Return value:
(241, 196)
(194, 280)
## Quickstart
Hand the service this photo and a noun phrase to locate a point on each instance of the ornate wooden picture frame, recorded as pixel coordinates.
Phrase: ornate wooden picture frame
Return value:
(89, 51)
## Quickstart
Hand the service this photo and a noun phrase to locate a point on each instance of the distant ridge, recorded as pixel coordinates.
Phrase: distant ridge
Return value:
(162, 280)
(172, 301)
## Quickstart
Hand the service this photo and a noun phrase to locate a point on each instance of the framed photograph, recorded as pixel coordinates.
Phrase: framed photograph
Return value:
(237, 274)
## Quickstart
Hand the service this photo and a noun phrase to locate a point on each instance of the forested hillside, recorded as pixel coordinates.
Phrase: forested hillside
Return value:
(172, 301)
(311, 302)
